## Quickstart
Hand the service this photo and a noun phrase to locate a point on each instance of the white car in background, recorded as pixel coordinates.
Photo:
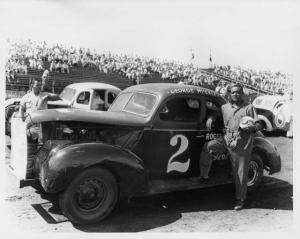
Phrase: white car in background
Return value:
(81, 96)
(77, 95)
(274, 112)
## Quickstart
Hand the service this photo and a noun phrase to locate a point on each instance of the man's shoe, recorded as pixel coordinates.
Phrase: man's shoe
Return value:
(239, 205)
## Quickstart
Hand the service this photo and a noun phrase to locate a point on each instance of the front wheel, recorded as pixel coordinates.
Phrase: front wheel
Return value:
(90, 197)
(256, 172)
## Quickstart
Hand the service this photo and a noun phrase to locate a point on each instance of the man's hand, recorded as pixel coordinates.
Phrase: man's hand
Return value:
(250, 129)
(210, 121)
(45, 98)
(53, 97)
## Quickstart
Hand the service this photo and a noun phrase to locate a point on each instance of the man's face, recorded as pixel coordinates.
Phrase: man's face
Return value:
(36, 87)
(236, 94)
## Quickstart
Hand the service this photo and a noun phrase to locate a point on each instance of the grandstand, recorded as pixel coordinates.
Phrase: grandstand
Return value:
(141, 70)
(57, 81)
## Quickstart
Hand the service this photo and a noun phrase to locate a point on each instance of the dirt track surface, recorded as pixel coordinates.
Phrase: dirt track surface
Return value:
(269, 209)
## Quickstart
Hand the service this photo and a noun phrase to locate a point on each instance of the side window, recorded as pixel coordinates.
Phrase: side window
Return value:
(83, 98)
(181, 110)
(111, 97)
(214, 119)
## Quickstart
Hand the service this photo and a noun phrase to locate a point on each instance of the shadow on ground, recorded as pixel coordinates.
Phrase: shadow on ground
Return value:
(145, 213)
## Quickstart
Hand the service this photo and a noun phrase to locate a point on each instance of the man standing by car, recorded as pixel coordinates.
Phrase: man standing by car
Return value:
(238, 141)
(33, 101)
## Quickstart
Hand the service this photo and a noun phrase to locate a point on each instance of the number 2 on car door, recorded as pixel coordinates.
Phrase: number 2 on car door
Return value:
(175, 165)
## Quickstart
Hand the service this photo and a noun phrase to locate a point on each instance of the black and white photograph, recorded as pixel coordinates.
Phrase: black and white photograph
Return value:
(149, 117)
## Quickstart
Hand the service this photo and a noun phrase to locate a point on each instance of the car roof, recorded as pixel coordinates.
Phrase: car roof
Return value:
(165, 89)
(93, 85)
(272, 97)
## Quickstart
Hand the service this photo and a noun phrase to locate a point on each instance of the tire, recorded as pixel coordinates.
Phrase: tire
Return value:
(90, 197)
(256, 172)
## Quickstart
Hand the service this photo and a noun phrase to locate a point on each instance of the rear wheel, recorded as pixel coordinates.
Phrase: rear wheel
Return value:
(90, 197)
(256, 171)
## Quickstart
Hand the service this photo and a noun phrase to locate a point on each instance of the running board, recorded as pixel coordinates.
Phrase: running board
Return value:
(172, 185)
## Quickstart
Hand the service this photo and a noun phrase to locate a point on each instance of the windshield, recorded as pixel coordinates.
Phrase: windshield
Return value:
(136, 103)
(67, 94)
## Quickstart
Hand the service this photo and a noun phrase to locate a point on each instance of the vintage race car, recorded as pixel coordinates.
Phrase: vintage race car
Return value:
(78, 95)
(148, 142)
(274, 112)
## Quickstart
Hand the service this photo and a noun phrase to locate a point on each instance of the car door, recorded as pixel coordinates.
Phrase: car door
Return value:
(174, 145)
(83, 100)
(213, 128)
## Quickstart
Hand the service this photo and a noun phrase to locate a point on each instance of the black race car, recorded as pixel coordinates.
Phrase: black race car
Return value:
(148, 142)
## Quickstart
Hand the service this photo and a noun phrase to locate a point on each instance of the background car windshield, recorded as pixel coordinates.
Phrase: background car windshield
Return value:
(67, 94)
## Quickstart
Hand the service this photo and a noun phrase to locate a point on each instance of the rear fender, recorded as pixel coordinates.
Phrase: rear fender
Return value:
(60, 169)
(269, 153)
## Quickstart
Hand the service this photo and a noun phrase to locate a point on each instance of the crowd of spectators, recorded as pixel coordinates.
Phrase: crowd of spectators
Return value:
(275, 82)
(29, 54)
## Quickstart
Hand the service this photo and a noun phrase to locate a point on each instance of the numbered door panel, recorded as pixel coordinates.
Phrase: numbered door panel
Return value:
(178, 135)
(174, 138)
(176, 153)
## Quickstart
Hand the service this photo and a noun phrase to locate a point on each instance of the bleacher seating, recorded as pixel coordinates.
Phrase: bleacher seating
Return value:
(57, 81)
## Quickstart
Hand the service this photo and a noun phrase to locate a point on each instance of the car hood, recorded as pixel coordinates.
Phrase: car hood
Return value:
(62, 102)
(101, 117)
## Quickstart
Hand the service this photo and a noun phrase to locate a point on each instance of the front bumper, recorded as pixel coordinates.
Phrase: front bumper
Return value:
(29, 182)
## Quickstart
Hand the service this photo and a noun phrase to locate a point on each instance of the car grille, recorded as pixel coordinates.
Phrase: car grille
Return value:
(41, 156)
(32, 150)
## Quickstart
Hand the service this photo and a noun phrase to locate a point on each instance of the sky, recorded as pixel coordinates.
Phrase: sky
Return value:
(262, 35)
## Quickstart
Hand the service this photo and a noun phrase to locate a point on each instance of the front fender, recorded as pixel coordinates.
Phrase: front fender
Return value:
(60, 169)
(263, 118)
(269, 153)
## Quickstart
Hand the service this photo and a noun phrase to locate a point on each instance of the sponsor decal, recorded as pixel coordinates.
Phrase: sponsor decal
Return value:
(192, 91)
(220, 157)
(211, 136)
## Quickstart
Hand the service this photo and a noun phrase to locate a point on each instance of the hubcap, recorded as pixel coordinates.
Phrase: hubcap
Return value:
(90, 194)
(253, 173)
